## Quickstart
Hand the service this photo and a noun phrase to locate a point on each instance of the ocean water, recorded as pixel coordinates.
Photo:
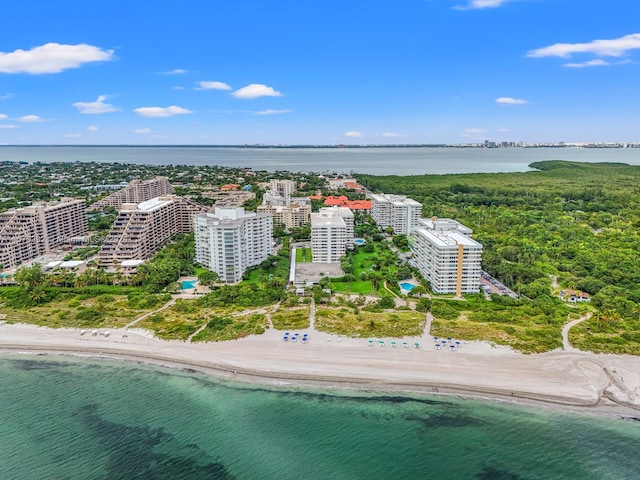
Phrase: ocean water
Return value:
(70, 418)
(376, 161)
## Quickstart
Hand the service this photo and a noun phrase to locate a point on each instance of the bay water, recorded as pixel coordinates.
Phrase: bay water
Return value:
(87, 418)
(376, 161)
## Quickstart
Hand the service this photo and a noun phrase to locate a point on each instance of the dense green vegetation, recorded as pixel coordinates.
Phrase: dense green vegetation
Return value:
(577, 221)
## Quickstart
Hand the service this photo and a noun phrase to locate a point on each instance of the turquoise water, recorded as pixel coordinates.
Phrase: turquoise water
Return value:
(407, 286)
(187, 284)
(359, 241)
(67, 418)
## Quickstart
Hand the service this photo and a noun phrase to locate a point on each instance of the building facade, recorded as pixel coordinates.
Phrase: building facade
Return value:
(329, 237)
(447, 256)
(26, 233)
(290, 216)
(395, 211)
(285, 188)
(136, 192)
(230, 240)
(142, 228)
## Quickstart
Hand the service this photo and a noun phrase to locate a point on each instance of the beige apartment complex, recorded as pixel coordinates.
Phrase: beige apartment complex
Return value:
(136, 192)
(395, 211)
(230, 240)
(142, 228)
(26, 233)
(291, 216)
(447, 256)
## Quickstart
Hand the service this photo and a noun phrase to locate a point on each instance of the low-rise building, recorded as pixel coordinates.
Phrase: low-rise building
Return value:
(230, 240)
(447, 256)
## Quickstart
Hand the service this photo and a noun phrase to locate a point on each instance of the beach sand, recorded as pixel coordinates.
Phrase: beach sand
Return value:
(569, 379)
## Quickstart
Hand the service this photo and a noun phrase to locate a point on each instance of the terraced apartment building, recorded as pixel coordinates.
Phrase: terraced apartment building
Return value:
(136, 192)
(140, 229)
(28, 232)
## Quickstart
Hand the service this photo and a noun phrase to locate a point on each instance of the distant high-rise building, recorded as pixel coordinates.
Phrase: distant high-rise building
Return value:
(26, 233)
(395, 211)
(142, 228)
(136, 192)
(447, 256)
(285, 188)
(230, 240)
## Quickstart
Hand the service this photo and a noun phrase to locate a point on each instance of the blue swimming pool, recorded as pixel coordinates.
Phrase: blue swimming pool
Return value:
(407, 286)
(359, 242)
(187, 284)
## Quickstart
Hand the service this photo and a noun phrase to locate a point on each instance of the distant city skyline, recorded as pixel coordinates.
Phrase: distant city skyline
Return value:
(330, 73)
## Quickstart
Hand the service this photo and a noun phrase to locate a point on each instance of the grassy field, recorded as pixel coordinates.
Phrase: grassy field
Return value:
(185, 317)
(289, 319)
(363, 262)
(221, 328)
(303, 255)
(345, 321)
(607, 337)
(77, 311)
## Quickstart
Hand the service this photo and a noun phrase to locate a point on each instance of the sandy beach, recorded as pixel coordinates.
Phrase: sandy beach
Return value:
(569, 379)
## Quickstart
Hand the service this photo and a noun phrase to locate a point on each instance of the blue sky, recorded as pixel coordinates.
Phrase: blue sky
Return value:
(330, 72)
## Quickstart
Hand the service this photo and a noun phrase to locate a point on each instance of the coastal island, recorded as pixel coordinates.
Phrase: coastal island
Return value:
(553, 238)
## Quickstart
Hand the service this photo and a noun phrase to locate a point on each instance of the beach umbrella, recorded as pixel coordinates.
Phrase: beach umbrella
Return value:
(371, 343)
(393, 344)
(404, 344)
(417, 345)
(435, 339)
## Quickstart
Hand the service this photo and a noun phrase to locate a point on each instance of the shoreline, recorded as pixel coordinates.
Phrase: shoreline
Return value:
(578, 382)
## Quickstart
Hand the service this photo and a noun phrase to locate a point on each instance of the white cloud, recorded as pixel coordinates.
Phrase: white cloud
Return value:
(31, 119)
(503, 130)
(4, 97)
(142, 130)
(3, 116)
(354, 134)
(510, 101)
(598, 62)
(9, 126)
(92, 128)
(272, 112)
(178, 88)
(394, 135)
(604, 48)
(255, 90)
(177, 71)
(206, 85)
(73, 135)
(479, 4)
(472, 132)
(161, 112)
(95, 107)
(51, 58)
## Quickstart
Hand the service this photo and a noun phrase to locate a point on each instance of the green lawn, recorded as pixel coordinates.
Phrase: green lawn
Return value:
(303, 255)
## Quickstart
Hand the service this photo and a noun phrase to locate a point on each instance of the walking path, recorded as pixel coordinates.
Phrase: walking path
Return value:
(566, 344)
(148, 314)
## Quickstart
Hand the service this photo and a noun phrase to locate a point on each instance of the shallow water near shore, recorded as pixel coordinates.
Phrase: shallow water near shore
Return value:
(74, 418)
